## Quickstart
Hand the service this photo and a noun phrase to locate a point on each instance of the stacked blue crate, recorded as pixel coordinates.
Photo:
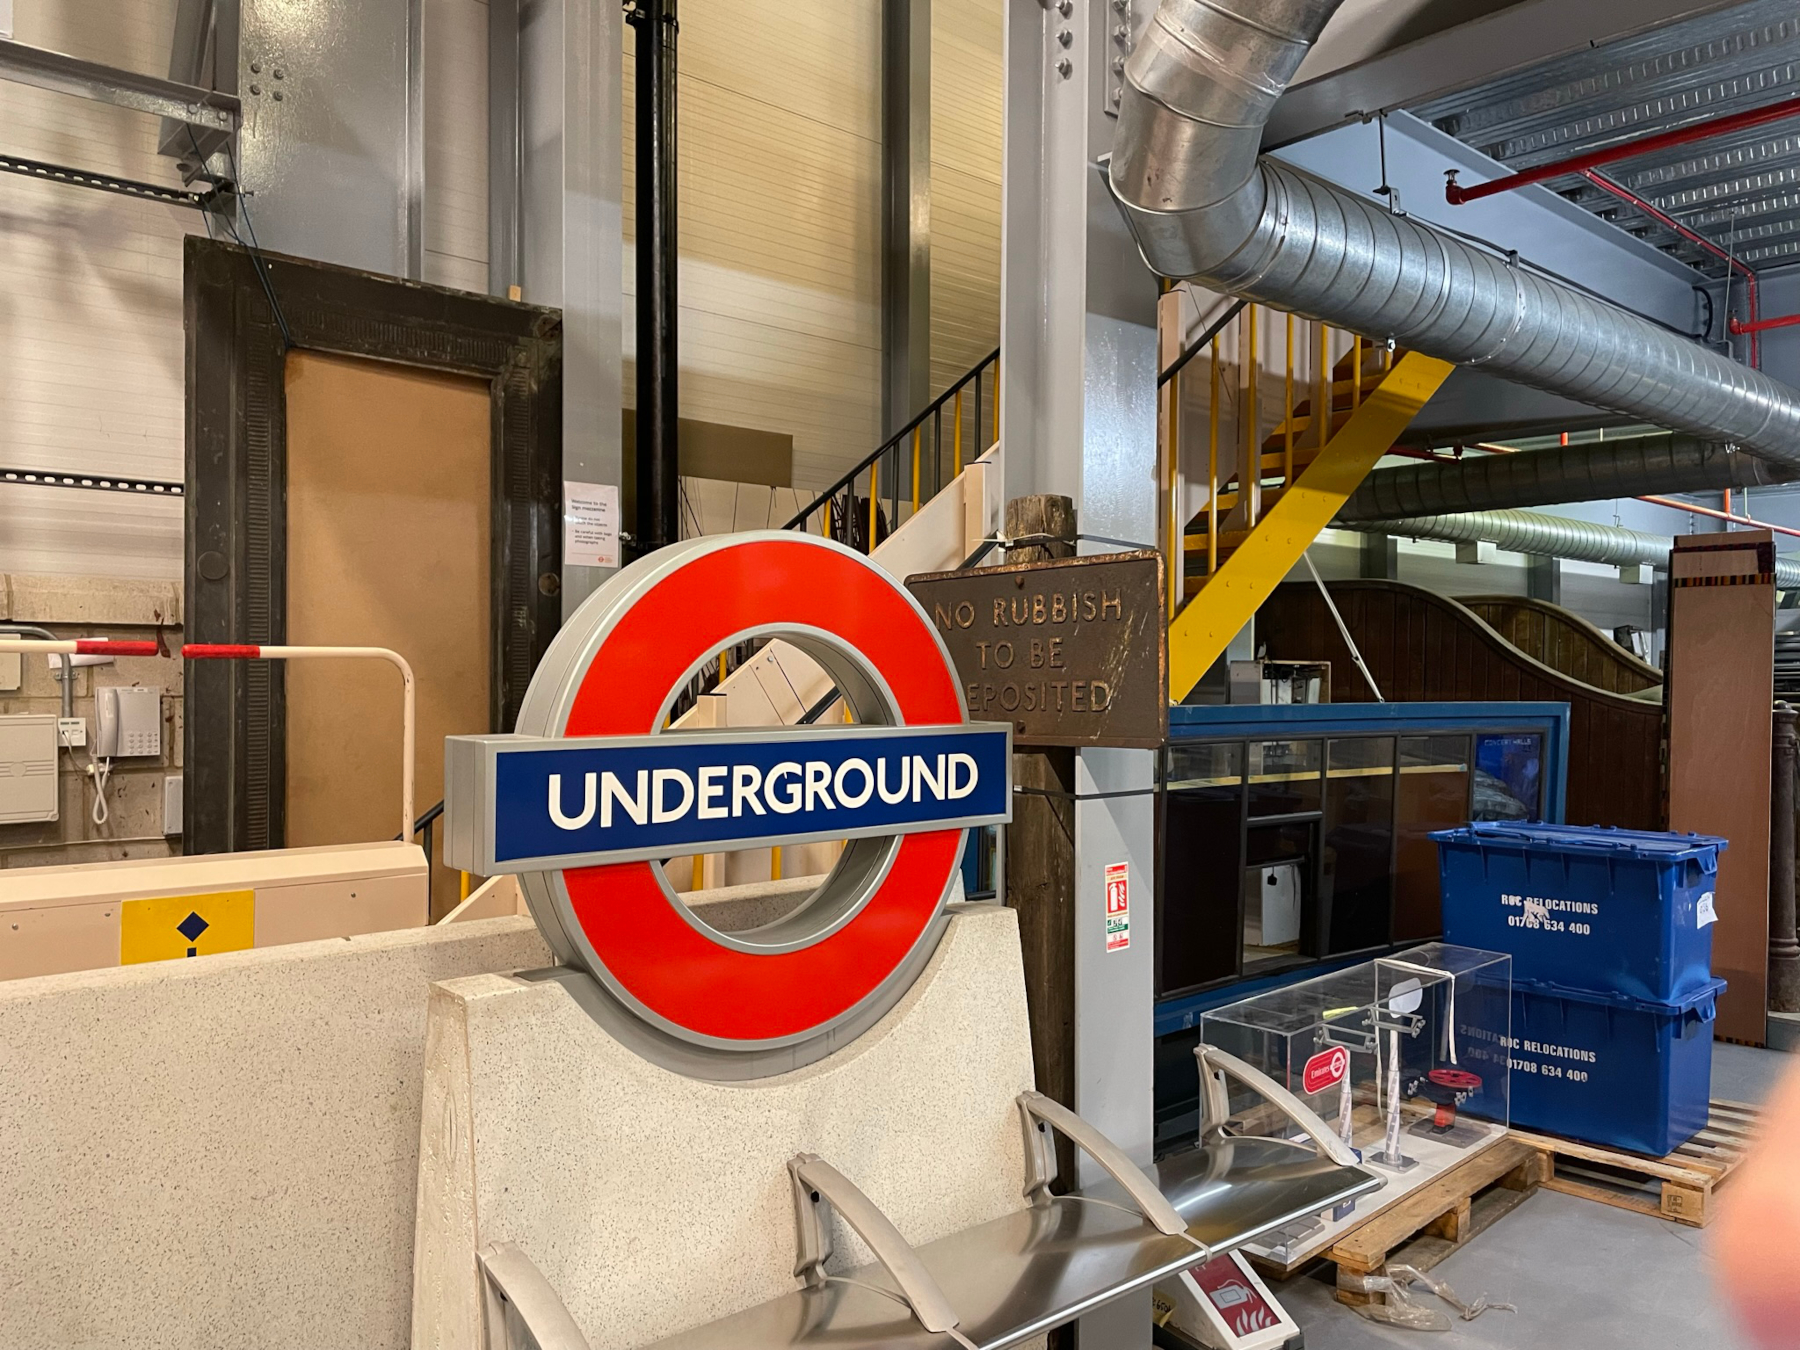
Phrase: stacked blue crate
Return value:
(1610, 932)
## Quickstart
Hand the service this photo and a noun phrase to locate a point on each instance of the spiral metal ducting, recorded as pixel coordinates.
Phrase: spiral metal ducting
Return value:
(1628, 467)
(1202, 204)
(1553, 537)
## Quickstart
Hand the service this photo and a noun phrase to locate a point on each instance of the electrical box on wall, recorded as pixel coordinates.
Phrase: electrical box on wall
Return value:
(127, 722)
(11, 676)
(27, 768)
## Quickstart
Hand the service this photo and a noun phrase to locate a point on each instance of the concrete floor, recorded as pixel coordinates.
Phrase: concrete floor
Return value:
(1582, 1273)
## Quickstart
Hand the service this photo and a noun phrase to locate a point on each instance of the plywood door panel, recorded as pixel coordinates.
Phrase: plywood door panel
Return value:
(389, 502)
(1721, 658)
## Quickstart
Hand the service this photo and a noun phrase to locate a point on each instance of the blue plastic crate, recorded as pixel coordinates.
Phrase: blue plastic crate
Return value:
(1609, 1070)
(1585, 906)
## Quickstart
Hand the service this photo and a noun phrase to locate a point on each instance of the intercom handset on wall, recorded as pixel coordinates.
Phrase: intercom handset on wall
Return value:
(127, 722)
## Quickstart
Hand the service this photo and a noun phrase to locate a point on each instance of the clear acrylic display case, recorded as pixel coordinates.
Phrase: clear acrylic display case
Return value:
(1404, 1056)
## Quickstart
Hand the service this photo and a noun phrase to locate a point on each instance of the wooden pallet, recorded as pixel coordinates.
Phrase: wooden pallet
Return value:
(1438, 1218)
(1679, 1187)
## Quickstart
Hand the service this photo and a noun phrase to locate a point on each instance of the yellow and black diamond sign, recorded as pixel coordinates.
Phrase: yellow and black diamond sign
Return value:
(169, 927)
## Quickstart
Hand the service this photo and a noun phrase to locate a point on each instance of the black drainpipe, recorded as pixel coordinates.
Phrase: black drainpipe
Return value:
(658, 368)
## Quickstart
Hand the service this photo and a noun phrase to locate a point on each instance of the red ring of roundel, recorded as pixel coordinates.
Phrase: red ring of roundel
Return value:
(660, 959)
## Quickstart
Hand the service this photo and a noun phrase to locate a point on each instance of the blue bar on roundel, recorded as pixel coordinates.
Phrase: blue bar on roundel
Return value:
(693, 792)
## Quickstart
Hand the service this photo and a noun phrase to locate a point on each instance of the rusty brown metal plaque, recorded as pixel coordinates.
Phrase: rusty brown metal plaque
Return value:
(1071, 652)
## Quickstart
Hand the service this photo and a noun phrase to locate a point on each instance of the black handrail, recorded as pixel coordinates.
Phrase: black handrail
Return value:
(933, 409)
(423, 826)
(1213, 329)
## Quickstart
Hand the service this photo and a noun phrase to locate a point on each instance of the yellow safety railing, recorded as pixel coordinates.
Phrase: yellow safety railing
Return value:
(868, 500)
(1357, 400)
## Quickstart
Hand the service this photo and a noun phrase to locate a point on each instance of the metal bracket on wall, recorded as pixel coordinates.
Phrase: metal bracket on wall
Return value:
(203, 109)
(203, 112)
(216, 197)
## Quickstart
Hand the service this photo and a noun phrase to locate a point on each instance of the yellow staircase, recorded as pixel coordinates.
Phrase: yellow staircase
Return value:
(1236, 552)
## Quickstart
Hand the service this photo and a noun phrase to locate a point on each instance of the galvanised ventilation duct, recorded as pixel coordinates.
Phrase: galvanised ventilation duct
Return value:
(1553, 537)
(1628, 467)
(1202, 203)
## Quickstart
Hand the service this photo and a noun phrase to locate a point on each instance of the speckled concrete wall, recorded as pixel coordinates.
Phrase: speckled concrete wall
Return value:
(654, 1202)
(222, 1154)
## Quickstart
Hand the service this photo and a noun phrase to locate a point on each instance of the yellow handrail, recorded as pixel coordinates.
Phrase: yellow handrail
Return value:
(1287, 451)
(1321, 398)
(1212, 468)
(1249, 479)
(958, 434)
(916, 431)
(873, 484)
(1176, 551)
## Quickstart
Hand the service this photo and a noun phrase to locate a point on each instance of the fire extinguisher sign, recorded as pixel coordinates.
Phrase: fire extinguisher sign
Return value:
(1118, 906)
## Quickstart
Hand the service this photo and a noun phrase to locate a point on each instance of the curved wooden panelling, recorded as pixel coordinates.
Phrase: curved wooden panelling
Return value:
(1424, 646)
(1564, 641)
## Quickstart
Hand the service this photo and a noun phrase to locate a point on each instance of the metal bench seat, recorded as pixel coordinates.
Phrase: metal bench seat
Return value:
(1012, 1278)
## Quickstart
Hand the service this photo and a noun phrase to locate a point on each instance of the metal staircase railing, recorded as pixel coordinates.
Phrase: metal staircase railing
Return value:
(908, 469)
(1268, 495)
(912, 463)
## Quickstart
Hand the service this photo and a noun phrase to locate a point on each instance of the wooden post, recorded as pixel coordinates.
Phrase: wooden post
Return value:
(1040, 855)
(1720, 695)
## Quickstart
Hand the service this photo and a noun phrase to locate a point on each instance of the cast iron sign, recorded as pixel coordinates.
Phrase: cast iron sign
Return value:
(595, 790)
(1071, 652)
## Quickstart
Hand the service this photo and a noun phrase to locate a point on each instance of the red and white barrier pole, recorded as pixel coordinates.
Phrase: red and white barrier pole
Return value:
(80, 647)
(221, 651)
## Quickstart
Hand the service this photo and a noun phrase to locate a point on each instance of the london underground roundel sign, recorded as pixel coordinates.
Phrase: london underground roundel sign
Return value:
(593, 790)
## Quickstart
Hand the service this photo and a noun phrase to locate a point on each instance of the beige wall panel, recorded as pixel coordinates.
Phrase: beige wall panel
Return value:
(965, 273)
(59, 938)
(818, 58)
(456, 183)
(767, 190)
(388, 511)
(305, 913)
(90, 306)
(966, 117)
(780, 163)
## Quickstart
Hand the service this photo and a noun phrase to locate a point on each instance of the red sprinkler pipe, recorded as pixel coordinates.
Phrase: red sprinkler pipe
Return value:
(1756, 117)
(1669, 222)
(1764, 325)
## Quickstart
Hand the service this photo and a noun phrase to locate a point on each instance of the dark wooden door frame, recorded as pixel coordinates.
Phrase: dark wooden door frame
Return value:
(240, 326)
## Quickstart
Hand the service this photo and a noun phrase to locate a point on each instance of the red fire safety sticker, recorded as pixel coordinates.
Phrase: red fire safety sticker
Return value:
(1325, 1068)
(1118, 906)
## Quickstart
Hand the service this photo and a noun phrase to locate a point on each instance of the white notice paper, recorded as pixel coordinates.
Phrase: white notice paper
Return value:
(590, 524)
(1708, 914)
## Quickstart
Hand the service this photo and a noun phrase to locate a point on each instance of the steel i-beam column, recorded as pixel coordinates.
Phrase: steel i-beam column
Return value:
(554, 211)
(1078, 417)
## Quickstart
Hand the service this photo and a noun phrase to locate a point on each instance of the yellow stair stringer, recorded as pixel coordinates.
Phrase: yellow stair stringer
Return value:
(1200, 633)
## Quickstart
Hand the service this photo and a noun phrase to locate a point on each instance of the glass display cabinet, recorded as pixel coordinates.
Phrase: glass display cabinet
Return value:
(1296, 834)
(1296, 839)
(1405, 1057)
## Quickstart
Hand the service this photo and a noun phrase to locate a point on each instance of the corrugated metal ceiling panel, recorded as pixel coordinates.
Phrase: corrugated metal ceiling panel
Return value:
(1741, 191)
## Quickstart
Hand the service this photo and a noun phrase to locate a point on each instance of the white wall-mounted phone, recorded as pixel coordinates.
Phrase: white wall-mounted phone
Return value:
(127, 722)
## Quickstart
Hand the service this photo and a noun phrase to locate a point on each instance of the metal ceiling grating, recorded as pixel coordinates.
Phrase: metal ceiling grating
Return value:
(1741, 191)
